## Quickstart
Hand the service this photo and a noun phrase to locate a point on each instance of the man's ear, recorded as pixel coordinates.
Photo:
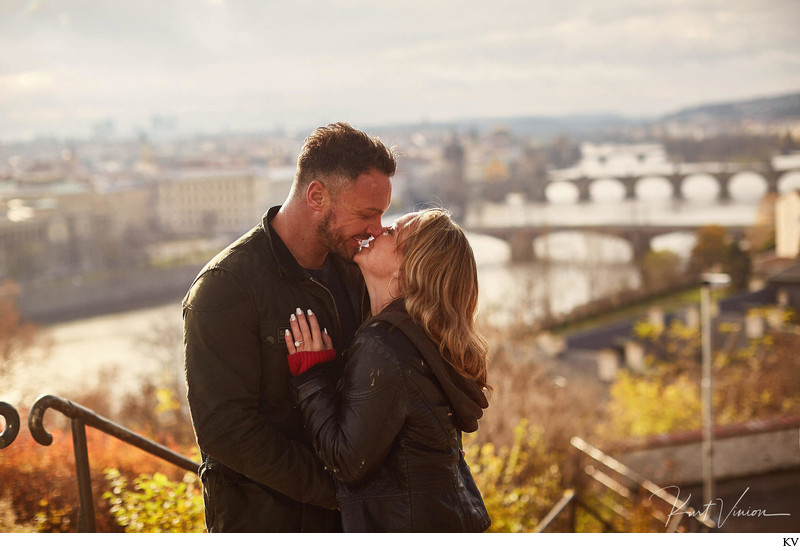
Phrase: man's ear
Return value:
(317, 195)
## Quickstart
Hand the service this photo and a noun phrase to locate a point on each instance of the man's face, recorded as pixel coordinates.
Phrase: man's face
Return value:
(355, 215)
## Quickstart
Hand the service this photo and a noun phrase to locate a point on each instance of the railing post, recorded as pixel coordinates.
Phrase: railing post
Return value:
(81, 417)
(86, 521)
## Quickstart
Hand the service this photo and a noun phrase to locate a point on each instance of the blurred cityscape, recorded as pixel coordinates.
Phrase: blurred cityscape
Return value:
(91, 223)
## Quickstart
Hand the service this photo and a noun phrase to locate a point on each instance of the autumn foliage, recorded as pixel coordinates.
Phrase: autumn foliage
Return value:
(39, 481)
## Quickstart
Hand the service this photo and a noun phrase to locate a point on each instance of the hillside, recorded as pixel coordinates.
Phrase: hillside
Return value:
(766, 109)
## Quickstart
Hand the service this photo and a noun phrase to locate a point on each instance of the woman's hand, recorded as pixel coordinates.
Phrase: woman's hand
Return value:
(305, 335)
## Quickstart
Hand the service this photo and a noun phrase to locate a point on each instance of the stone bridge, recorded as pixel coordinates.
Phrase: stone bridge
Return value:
(721, 172)
(521, 238)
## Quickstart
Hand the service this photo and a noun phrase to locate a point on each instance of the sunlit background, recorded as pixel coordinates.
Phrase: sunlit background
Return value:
(602, 156)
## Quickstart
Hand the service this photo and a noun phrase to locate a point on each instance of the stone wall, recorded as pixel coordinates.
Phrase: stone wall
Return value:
(81, 298)
(751, 449)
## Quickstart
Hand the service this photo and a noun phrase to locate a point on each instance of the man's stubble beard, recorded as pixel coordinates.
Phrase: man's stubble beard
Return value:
(335, 244)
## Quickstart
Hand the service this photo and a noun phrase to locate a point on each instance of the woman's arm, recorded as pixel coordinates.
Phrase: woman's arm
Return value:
(353, 431)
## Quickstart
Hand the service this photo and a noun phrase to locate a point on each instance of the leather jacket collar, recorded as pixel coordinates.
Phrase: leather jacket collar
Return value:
(287, 265)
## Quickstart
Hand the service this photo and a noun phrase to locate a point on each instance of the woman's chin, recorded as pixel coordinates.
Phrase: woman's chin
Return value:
(362, 251)
(358, 260)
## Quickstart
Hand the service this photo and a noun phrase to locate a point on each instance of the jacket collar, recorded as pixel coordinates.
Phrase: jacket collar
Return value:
(287, 265)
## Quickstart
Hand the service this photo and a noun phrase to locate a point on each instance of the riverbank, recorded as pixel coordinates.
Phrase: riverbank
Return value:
(81, 297)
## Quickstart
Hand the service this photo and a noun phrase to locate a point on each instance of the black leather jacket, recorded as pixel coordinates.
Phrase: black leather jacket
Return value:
(259, 471)
(392, 437)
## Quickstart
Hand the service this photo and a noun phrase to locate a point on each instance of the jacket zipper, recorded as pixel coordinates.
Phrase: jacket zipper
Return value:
(335, 308)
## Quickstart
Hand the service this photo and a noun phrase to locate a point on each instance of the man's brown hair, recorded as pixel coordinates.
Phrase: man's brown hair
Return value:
(339, 153)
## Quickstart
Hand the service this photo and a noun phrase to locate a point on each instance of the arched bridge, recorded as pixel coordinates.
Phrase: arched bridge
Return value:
(521, 238)
(723, 173)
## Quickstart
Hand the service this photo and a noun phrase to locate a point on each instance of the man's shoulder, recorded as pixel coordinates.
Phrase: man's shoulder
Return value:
(245, 256)
(231, 275)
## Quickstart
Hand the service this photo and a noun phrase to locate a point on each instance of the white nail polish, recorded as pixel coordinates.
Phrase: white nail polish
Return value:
(325, 330)
(299, 312)
(310, 313)
(293, 317)
(287, 332)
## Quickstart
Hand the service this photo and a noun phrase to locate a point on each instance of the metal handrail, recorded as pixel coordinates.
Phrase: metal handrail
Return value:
(638, 480)
(565, 500)
(81, 416)
(11, 418)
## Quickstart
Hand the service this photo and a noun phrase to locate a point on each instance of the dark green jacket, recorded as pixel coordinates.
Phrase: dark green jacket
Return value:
(259, 472)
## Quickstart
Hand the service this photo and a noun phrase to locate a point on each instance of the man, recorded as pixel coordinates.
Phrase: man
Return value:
(258, 470)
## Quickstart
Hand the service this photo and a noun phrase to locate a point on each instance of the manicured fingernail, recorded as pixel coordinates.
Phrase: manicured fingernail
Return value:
(299, 312)
(287, 332)
(310, 313)
(293, 317)
(325, 330)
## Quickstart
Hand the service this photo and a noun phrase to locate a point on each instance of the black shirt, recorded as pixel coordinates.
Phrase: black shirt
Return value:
(330, 278)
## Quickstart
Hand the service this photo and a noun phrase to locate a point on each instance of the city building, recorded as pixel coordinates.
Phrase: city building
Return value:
(208, 201)
(62, 228)
(787, 225)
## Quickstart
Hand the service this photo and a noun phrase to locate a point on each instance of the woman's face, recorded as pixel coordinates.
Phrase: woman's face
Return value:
(381, 258)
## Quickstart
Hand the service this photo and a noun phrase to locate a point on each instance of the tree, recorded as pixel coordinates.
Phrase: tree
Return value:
(660, 270)
(715, 250)
(641, 406)
(17, 336)
(739, 265)
(709, 251)
(753, 379)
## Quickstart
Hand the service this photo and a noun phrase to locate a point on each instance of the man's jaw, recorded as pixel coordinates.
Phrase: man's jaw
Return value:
(346, 251)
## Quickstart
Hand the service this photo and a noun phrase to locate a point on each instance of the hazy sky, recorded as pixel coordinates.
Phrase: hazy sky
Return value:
(262, 64)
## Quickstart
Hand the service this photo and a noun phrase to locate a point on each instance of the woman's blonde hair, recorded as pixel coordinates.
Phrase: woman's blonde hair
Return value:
(439, 283)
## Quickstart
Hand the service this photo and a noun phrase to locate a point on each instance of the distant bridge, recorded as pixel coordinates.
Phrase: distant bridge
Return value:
(521, 238)
(723, 173)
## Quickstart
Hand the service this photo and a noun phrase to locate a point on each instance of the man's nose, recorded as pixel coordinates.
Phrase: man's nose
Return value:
(375, 229)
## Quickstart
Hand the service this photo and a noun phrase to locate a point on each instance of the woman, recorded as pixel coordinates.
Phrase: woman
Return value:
(413, 381)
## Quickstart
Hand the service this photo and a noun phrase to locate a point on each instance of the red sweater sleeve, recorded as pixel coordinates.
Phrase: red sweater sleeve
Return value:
(301, 361)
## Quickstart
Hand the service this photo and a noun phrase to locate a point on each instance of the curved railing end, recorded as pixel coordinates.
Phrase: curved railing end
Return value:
(36, 418)
(11, 416)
